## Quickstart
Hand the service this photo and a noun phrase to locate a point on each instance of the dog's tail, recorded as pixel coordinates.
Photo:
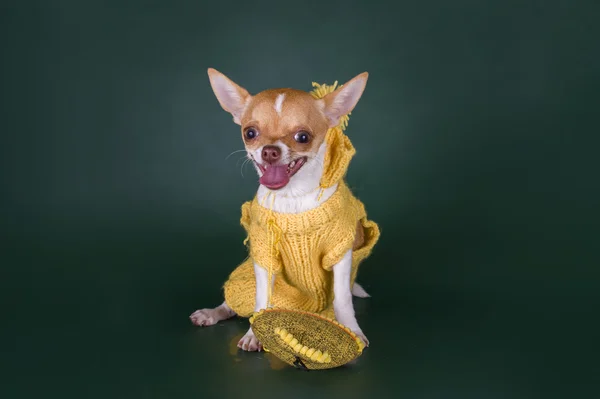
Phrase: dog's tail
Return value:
(359, 291)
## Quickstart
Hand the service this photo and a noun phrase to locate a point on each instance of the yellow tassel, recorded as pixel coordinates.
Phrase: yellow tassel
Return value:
(321, 90)
(320, 194)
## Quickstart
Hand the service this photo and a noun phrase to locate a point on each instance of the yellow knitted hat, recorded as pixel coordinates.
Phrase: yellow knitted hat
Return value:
(339, 148)
(305, 340)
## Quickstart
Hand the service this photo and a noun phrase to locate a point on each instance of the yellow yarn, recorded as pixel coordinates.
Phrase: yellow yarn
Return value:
(315, 354)
(338, 155)
(305, 339)
(321, 90)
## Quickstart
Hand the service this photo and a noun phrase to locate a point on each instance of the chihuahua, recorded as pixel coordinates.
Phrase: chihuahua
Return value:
(284, 131)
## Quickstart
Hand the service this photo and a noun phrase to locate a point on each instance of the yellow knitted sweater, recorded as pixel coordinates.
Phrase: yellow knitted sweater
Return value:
(309, 244)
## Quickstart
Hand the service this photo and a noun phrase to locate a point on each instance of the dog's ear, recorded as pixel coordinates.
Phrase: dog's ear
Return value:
(233, 98)
(343, 100)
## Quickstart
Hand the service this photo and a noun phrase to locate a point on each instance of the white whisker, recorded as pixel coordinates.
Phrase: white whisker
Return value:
(233, 153)
(242, 168)
(239, 159)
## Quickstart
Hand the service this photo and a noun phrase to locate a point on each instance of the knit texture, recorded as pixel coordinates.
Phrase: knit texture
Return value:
(294, 337)
(337, 158)
(311, 243)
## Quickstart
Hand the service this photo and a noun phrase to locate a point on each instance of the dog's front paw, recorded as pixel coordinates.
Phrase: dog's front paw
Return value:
(204, 317)
(362, 336)
(250, 343)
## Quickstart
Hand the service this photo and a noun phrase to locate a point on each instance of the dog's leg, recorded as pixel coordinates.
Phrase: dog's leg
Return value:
(208, 317)
(359, 291)
(359, 241)
(342, 301)
(249, 342)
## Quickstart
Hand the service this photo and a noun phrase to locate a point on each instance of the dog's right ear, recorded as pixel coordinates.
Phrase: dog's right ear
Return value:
(233, 98)
(343, 100)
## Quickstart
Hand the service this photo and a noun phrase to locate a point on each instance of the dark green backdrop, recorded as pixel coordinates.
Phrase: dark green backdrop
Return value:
(477, 154)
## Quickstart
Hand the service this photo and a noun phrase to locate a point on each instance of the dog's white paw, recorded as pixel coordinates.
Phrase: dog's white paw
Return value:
(209, 317)
(359, 291)
(362, 336)
(250, 343)
(206, 317)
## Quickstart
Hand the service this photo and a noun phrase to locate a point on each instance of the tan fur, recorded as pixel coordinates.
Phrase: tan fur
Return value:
(359, 240)
(299, 112)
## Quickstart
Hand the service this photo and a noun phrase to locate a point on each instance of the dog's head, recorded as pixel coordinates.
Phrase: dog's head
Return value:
(284, 129)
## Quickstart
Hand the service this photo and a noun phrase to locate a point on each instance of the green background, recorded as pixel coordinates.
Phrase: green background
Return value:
(476, 153)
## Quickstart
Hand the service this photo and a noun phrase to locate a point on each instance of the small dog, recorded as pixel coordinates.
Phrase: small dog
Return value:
(284, 132)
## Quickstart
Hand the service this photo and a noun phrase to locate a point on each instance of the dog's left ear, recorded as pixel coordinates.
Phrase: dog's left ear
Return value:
(343, 100)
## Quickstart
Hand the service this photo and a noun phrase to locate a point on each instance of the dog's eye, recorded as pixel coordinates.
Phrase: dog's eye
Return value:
(250, 133)
(302, 137)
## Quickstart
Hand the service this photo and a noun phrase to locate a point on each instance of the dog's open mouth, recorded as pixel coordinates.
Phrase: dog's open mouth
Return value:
(275, 177)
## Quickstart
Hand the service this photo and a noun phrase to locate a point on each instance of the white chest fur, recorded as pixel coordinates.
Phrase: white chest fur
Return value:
(303, 192)
(282, 203)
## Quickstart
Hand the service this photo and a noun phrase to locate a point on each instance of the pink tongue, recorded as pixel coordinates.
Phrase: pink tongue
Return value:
(275, 176)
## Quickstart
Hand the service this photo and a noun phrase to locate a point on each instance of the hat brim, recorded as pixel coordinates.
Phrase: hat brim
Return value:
(305, 340)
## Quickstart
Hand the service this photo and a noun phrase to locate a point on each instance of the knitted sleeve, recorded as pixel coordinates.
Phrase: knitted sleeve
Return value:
(258, 241)
(338, 240)
(245, 219)
(260, 250)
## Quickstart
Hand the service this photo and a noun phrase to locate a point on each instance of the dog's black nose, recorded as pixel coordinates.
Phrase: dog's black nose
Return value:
(271, 154)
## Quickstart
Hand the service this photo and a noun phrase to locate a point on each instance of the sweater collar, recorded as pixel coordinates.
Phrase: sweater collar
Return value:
(329, 210)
